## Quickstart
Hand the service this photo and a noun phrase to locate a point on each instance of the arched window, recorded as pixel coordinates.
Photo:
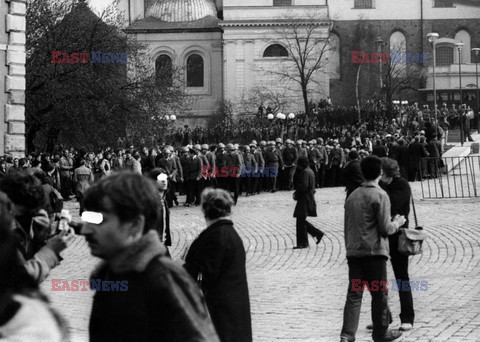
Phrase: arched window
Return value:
(195, 71)
(464, 37)
(275, 50)
(164, 71)
(398, 51)
(444, 55)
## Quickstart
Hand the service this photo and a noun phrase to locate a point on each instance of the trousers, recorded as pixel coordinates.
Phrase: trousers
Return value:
(366, 269)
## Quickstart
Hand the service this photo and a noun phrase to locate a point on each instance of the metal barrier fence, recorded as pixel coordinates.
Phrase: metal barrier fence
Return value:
(450, 177)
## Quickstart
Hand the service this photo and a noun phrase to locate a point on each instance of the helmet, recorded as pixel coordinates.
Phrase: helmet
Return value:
(253, 142)
(313, 142)
(271, 143)
(197, 147)
(319, 141)
(204, 147)
(288, 141)
(230, 147)
(252, 145)
(279, 140)
(263, 143)
(247, 149)
(221, 145)
(235, 147)
(185, 149)
(299, 142)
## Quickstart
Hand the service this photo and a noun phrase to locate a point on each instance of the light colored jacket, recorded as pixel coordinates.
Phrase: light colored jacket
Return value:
(368, 222)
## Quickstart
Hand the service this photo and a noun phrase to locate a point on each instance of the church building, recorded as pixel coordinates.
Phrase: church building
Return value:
(230, 49)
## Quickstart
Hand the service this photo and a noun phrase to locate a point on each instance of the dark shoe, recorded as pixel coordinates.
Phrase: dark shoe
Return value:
(370, 326)
(390, 335)
(318, 238)
(300, 247)
(344, 339)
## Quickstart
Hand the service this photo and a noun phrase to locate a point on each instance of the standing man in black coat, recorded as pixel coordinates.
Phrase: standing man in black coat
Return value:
(352, 174)
(304, 194)
(216, 259)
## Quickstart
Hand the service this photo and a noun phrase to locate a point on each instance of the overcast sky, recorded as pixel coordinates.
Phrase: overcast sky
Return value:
(98, 5)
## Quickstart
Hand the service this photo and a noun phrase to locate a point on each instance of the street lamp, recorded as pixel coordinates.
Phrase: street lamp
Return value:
(380, 44)
(459, 48)
(477, 52)
(432, 38)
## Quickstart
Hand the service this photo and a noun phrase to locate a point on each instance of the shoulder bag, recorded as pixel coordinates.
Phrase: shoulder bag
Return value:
(410, 240)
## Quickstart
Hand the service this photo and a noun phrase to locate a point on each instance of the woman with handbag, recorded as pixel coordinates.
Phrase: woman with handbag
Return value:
(217, 260)
(399, 192)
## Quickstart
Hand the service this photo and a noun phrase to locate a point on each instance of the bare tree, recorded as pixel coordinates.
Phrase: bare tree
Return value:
(403, 75)
(265, 97)
(306, 41)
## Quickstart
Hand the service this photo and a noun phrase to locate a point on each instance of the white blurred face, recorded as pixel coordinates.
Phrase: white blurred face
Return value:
(162, 182)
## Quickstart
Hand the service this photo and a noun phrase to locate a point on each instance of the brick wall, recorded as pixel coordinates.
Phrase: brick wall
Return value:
(361, 36)
(12, 84)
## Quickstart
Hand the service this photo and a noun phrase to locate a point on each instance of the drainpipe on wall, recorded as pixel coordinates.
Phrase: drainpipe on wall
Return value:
(421, 24)
(130, 15)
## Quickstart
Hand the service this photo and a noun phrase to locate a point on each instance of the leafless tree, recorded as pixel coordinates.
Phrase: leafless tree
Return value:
(306, 40)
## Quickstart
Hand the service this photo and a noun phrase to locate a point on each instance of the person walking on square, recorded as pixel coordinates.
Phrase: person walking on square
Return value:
(367, 227)
(304, 183)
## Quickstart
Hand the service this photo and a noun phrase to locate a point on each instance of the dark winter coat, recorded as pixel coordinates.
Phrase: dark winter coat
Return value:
(352, 176)
(304, 184)
(219, 256)
(161, 301)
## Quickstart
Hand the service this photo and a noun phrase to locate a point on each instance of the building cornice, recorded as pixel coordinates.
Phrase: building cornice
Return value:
(271, 23)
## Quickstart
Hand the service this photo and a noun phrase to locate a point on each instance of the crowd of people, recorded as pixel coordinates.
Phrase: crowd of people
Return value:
(125, 219)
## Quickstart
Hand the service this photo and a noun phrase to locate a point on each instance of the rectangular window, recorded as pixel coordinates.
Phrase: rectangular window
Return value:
(363, 4)
(443, 3)
(282, 2)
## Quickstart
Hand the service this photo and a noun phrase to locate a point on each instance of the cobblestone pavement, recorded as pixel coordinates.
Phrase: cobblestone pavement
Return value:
(298, 295)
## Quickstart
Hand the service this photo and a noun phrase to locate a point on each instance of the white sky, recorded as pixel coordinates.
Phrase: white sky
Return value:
(99, 5)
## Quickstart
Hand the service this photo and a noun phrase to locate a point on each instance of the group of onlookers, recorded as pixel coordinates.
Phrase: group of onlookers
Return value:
(125, 221)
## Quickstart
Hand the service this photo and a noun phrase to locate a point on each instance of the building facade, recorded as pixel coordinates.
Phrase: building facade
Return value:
(374, 25)
(242, 46)
(12, 77)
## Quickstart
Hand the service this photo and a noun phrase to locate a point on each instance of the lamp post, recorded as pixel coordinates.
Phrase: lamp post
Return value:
(432, 38)
(459, 48)
(477, 52)
(380, 44)
(281, 117)
(290, 117)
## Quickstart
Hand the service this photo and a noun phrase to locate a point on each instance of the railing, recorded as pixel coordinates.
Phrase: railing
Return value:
(450, 177)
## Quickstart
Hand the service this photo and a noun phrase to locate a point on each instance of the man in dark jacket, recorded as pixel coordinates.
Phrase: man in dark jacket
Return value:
(304, 182)
(290, 160)
(141, 294)
(352, 174)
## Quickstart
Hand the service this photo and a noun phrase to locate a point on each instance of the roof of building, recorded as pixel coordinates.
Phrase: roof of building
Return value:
(181, 10)
(154, 25)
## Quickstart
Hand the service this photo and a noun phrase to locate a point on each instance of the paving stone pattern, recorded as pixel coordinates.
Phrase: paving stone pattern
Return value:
(298, 295)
